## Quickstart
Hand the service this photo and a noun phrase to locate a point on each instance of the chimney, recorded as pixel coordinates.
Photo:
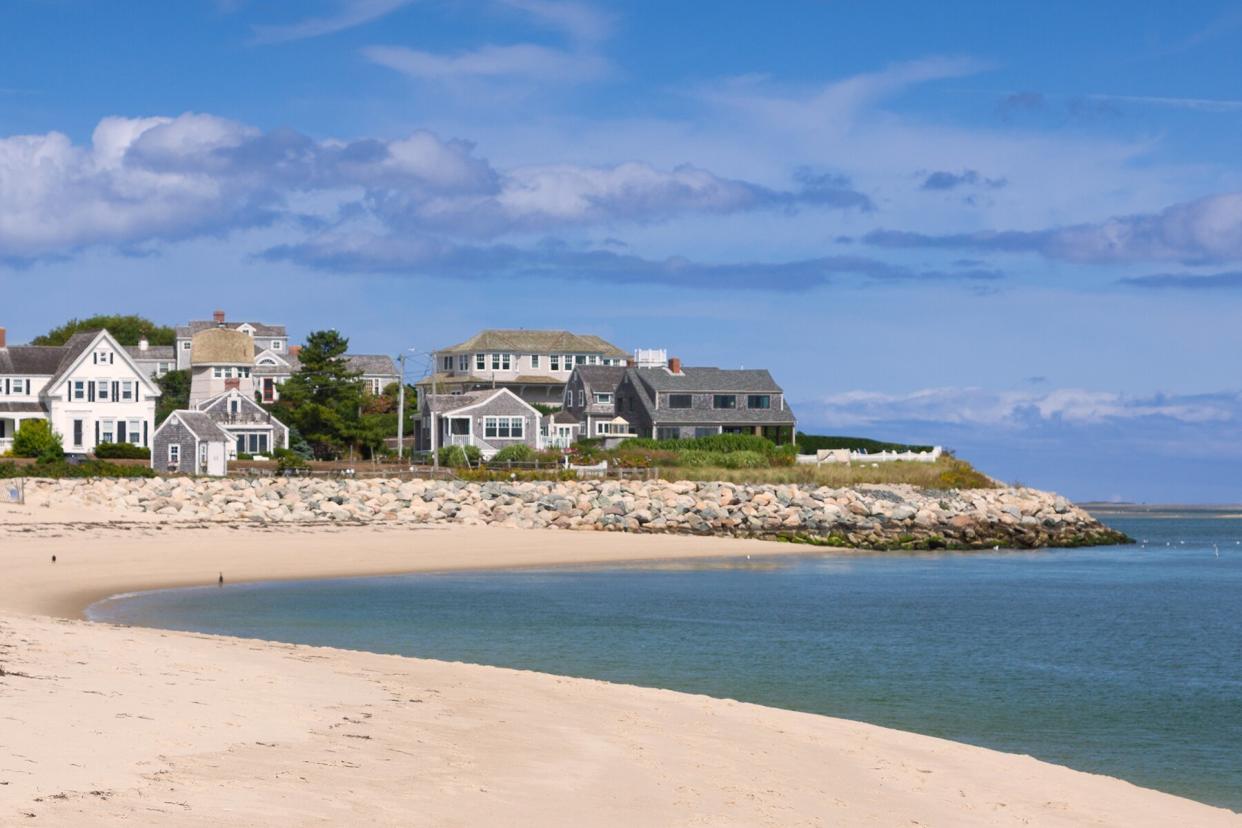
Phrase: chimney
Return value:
(2, 339)
(218, 316)
(143, 344)
(294, 350)
(674, 365)
(233, 384)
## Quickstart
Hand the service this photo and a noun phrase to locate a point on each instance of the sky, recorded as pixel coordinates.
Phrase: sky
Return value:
(1012, 229)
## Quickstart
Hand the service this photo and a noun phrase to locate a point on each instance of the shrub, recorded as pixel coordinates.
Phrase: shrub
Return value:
(454, 457)
(712, 442)
(744, 460)
(485, 475)
(516, 453)
(60, 468)
(35, 438)
(122, 451)
(696, 458)
(810, 443)
(288, 459)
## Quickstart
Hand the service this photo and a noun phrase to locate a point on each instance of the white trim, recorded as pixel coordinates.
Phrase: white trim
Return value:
(488, 399)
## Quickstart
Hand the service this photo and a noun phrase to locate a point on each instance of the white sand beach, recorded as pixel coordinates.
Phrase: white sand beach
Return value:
(104, 725)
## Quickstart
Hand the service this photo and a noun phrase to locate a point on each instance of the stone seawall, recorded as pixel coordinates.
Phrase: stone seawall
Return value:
(872, 517)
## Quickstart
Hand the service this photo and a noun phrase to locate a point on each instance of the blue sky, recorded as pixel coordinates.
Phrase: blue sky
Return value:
(1013, 229)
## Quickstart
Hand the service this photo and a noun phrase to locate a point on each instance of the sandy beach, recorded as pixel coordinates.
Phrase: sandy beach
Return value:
(107, 725)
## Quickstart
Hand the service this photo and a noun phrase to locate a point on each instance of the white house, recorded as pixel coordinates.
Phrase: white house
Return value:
(89, 389)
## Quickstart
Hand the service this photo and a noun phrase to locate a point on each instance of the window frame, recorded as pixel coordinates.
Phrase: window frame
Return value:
(174, 454)
(717, 399)
(689, 398)
(767, 401)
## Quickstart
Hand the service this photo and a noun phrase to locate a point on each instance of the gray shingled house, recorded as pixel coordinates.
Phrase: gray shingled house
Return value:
(671, 402)
(190, 442)
(251, 428)
(591, 397)
(535, 365)
(489, 419)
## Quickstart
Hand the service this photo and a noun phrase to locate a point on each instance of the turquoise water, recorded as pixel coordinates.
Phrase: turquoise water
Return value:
(1120, 660)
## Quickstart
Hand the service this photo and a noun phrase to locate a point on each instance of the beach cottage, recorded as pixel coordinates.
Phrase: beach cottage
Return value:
(190, 442)
(488, 420)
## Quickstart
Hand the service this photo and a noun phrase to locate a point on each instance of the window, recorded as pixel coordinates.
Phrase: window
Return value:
(106, 431)
(447, 363)
(554, 362)
(185, 346)
(706, 431)
(277, 345)
(534, 360)
(244, 372)
(217, 372)
(759, 401)
(164, 368)
(135, 431)
(234, 406)
(569, 397)
(602, 398)
(580, 359)
(668, 433)
(504, 428)
(581, 398)
(376, 387)
(480, 362)
(680, 401)
(77, 433)
(724, 401)
(102, 390)
(127, 390)
(463, 362)
(612, 428)
(500, 362)
(79, 389)
(174, 455)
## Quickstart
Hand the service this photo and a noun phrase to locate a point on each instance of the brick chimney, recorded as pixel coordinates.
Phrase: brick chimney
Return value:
(674, 365)
(143, 344)
(232, 384)
(3, 343)
(218, 316)
(294, 350)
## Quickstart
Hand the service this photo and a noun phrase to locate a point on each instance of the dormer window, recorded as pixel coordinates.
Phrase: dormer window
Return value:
(246, 329)
(277, 345)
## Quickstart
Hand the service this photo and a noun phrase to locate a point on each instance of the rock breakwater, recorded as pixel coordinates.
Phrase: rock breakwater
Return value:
(871, 517)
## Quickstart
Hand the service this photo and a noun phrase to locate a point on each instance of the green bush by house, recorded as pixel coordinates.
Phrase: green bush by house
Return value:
(60, 468)
(455, 457)
(516, 453)
(122, 451)
(35, 438)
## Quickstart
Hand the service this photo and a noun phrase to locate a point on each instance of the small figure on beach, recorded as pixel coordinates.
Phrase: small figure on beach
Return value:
(53, 559)
(220, 581)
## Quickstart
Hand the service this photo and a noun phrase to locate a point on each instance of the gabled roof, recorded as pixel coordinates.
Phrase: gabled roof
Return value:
(36, 360)
(563, 417)
(72, 352)
(603, 378)
(741, 381)
(444, 403)
(199, 424)
(536, 342)
(260, 329)
(372, 365)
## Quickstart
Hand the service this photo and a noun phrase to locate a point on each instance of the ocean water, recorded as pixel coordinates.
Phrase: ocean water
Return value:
(1118, 660)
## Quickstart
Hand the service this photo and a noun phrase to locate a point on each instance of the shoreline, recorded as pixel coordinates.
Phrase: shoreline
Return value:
(121, 721)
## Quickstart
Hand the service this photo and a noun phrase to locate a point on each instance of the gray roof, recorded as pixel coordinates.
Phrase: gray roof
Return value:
(260, 329)
(70, 352)
(369, 365)
(525, 341)
(21, 407)
(741, 381)
(452, 402)
(39, 360)
(563, 417)
(707, 380)
(201, 425)
(160, 352)
(603, 378)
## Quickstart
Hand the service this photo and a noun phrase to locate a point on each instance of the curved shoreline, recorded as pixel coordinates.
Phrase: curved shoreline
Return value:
(500, 744)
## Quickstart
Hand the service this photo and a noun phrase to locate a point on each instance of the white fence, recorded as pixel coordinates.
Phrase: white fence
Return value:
(847, 457)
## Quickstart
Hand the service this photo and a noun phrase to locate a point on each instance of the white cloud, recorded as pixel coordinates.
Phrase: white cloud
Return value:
(352, 13)
(581, 22)
(1015, 409)
(522, 61)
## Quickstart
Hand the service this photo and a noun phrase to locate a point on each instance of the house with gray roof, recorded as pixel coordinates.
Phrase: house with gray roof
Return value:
(375, 371)
(489, 420)
(266, 337)
(90, 390)
(190, 442)
(533, 364)
(155, 360)
(591, 398)
(673, 402)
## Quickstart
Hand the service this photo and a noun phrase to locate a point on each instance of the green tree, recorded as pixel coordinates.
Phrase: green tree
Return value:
(126, 329)
(35, 438)
(174, 393)
(323, 400)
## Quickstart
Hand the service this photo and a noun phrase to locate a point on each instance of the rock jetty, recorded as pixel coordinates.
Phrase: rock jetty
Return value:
(870, 517)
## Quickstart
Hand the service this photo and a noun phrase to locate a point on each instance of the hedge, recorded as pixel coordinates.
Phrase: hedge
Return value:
(811, 443)
(60, 468)
(122, 451)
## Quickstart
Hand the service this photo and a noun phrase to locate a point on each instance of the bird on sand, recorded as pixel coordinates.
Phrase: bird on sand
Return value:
(220, 581)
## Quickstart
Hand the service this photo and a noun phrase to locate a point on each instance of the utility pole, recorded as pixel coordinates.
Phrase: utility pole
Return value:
(401, 411)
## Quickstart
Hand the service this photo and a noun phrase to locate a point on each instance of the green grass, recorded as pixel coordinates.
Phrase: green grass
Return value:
(946, 473)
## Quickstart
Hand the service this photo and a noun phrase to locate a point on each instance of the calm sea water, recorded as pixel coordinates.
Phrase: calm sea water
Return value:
(1120, 660)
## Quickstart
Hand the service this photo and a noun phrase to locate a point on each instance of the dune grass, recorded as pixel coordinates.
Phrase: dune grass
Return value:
(946, 473)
